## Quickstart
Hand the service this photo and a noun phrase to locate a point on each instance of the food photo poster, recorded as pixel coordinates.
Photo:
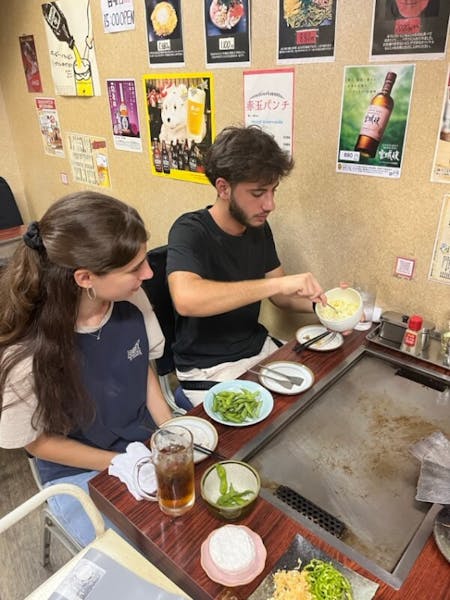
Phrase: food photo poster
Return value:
(124, 114)
(306, 30)
(49, 126)
(164, 33)
(374, 116)
(269, 103)
(70, 39)
(410, 30)
(227, 32)
(181, 122)
(440, 172)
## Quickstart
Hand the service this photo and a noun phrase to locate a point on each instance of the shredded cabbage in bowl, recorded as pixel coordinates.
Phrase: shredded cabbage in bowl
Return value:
(344, 309)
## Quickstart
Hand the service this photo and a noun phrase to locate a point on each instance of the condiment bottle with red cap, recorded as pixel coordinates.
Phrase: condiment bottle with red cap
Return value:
(411, 338)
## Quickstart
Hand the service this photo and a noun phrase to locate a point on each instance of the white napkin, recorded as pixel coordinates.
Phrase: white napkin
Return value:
(135, 469)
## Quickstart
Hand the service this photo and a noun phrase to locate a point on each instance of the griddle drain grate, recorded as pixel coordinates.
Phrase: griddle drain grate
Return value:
(310, 510)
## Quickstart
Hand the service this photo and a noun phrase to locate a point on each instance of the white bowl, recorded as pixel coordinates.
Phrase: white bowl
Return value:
(349, 297)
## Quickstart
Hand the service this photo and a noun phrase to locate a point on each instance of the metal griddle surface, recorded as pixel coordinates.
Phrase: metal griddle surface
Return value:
(348, 453)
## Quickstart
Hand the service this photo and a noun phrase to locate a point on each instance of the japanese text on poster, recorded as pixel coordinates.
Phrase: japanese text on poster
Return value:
(30, 63)
(441, 164)
(375, 110)
(440, 262)
(227, 32)
(269, 102)
(306, 30)
(406, 30)
(181, 123)
(165, 33)
(89, 159)
(49, 125)
(118, 15)
(124, 114)
(70, 39)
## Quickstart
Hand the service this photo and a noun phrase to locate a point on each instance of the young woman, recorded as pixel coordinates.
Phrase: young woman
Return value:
(76, 336)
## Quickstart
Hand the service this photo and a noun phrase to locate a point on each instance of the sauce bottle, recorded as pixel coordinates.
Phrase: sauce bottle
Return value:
(411, 337)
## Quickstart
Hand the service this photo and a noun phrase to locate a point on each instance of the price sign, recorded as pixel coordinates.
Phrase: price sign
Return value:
(118, 15)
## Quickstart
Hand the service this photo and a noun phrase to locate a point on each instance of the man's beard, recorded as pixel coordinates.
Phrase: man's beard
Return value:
(239, 215)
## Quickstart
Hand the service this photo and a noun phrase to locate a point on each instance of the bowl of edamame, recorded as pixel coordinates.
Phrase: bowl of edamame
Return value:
(230, 489)
(238, 402)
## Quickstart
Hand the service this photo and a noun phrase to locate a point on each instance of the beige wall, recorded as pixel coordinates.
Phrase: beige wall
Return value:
(340, 227)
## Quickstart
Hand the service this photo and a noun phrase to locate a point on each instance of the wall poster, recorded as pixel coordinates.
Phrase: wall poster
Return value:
(410, 29)
(181, 120)
(30, 63)
(70, 39)
(269, 103)
(440, 172)
(50, 127)
(164, 33)
(440, 262)
(306, 30)
(227, 32)
(89, 159)
(118, 15)
(374, 117)
(124, 114)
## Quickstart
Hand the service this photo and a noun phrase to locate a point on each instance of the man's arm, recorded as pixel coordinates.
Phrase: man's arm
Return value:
(66, 451)
(294, 301)
(194, 296)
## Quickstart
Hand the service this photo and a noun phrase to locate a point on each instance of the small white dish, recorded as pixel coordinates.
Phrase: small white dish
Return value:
(309, 331)
(284, 367)
(235, 385)
(203, 432)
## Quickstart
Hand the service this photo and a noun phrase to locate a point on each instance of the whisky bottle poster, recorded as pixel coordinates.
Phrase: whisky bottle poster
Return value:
(89, 159)
(164, 33)
(181, 123)
(440, 261)
(410, 29)
(30, 63)
(227, 32)
(440, 172)
(70, 39)
(124, 114)
(306, 30)
(374, 116)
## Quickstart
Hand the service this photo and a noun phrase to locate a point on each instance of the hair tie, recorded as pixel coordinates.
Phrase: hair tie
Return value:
(32, 237)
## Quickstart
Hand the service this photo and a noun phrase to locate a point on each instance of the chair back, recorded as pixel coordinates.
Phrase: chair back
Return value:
(9, 213)
(157, 289)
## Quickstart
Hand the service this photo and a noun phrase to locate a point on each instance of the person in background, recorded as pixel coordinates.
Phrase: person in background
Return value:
(76, 336)
(222, 262)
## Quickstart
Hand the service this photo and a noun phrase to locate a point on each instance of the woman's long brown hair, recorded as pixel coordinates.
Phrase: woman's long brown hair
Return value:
(39, 299)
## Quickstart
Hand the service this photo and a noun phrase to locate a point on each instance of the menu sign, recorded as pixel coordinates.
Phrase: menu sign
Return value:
(227, 30)
(165, 35)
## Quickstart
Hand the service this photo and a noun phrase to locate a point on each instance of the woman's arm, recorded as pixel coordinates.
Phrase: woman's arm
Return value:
(156, 403)
(66, 451)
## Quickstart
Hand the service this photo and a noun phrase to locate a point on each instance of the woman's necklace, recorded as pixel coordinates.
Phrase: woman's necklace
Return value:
(98, 333)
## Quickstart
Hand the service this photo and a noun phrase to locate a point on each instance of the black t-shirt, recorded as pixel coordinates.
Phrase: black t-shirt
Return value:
(198, 245)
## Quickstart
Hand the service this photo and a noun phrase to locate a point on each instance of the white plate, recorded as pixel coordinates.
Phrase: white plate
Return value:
(203, 432)
(309, 331)
(286, 368)
(236, 385)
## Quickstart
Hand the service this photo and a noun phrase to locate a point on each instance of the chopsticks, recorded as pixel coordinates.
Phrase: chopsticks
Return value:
(209, 452)
(299, 347)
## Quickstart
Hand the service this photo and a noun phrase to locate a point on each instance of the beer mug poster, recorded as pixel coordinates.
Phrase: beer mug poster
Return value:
(180, 116)
(70, 40)
(374, 117)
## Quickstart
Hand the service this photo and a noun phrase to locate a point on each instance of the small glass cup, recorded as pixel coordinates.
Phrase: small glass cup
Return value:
(173, 458)
(368, 294)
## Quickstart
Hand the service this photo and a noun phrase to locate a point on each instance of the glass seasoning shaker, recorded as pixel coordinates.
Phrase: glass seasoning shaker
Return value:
(411, 337)
(445, 341)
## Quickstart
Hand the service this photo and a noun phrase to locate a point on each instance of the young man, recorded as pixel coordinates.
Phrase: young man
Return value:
(222, 262)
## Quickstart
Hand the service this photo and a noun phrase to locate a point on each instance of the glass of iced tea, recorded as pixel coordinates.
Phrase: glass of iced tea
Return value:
(173, 458)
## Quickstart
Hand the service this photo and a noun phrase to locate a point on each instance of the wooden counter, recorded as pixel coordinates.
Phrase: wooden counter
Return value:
(173, 545)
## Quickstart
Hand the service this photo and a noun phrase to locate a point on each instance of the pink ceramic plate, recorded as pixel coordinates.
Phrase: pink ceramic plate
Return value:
(233, 579)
